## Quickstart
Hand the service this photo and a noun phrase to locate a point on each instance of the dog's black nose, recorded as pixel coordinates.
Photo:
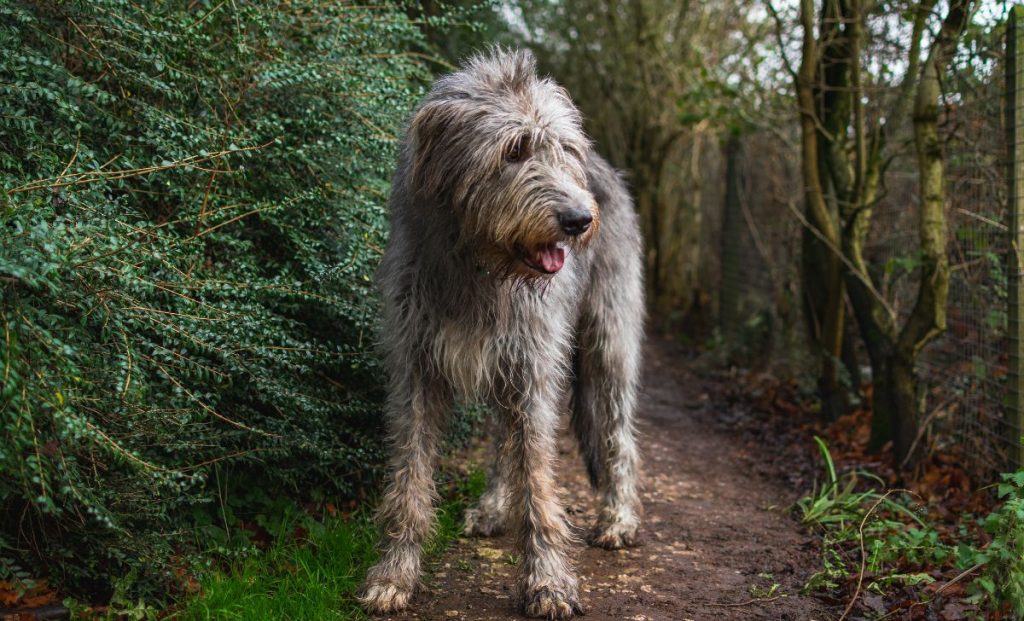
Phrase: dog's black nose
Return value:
(575, 221)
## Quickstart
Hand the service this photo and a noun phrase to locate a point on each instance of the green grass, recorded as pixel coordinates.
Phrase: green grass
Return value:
(316, 577)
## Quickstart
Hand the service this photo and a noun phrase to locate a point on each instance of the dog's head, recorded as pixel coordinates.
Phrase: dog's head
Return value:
(506, 151)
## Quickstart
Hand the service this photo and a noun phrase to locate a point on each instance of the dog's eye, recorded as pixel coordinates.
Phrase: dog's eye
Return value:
(519, 151)
(572, 151)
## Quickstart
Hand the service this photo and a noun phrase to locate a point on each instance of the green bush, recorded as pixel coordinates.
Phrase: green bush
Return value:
(193, 208)
(999, 585)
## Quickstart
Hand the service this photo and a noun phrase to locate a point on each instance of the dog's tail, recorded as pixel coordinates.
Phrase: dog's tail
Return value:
(583, 424)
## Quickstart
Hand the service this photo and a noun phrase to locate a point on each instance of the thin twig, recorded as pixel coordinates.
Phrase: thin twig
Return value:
(125, 452)
(756, 600)
(779, 27)
(74, 156)
(226, 457)
(863, 552)
(978, 216)
(842, 257)
(114, 175)
(923, 428)
(938, 591)
(209, 409)
(232, 221)
(755, 234)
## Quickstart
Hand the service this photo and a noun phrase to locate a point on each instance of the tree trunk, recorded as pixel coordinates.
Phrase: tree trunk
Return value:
(732, 225)
(851, 360)
(896, 393)
(822, 278)
(928, 317)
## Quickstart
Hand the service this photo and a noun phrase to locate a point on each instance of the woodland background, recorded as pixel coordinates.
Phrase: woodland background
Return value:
(194, 205)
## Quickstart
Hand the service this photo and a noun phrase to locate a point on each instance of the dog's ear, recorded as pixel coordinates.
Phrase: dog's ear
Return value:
(430, 132)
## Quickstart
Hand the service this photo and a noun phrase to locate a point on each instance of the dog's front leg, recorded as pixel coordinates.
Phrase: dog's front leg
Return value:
(547, 584)
(415, 409)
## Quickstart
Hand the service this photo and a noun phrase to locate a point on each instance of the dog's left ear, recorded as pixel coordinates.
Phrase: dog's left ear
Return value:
(429, 133)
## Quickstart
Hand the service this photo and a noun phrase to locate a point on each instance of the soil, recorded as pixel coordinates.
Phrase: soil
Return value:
(718, 541)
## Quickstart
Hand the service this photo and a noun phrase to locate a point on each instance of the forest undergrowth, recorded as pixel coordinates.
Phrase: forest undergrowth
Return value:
(931, 544)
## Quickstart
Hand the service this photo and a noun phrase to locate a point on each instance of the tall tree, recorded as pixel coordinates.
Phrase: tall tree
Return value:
(854, 125)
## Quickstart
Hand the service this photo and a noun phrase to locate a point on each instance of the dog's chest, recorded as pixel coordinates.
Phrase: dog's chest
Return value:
(512, 337)
(466, 354)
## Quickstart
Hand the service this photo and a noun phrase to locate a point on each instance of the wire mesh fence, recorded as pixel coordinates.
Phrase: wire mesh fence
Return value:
(970, 380)
(1013, 415)
(965, 370)
(759, 314)
(760, 310)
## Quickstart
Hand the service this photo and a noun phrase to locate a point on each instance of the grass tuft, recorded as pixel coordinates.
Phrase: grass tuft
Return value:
(316, 577)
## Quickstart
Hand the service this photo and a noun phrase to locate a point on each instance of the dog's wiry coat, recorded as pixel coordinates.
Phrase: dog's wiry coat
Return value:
(512, 275)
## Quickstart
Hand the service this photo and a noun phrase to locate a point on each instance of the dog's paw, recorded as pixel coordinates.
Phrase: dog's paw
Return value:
(552, 603)
(615, 536)
(481, 523)
(382, 596)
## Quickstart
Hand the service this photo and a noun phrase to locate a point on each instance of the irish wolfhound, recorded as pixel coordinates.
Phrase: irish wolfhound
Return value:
(498, 287)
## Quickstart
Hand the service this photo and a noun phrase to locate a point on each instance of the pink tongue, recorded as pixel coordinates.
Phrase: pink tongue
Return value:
(552, 258)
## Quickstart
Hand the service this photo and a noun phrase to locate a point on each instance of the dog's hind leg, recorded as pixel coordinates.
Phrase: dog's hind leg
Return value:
(415, 410)
(607, 366)
(489, 516)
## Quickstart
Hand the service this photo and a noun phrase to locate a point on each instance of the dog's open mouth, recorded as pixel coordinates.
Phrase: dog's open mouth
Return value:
(546, 259)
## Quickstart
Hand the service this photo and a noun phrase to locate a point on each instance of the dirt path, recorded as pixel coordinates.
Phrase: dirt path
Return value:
(715, 538)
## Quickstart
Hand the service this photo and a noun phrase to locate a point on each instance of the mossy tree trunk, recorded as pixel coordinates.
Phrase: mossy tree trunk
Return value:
(822, 282)
(843, 161)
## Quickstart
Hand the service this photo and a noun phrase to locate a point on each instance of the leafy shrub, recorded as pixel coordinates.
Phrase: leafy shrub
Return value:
(866, 530)
(878, 538)
(1000, 584)
(193, 209)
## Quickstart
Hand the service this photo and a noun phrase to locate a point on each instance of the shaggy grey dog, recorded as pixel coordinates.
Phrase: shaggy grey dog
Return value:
(513, 275)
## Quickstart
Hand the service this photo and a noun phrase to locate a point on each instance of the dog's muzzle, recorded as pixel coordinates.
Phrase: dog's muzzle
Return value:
(574, 222)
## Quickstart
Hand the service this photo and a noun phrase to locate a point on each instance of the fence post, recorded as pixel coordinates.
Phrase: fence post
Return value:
(1015, 179)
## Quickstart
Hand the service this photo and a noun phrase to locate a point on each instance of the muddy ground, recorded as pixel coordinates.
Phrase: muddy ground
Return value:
(718, 542)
